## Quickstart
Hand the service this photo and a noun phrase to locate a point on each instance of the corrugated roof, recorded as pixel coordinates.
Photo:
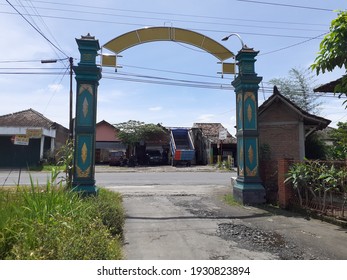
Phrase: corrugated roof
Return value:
(26, 118)
(211, 131)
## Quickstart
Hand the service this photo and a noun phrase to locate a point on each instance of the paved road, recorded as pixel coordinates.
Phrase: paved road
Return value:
(181, 219)
(148, 176)
(192, 222)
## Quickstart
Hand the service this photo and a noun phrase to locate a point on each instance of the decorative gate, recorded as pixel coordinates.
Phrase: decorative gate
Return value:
(248, 187)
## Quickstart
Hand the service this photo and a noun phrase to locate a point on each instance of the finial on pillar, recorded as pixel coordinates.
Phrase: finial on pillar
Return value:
(88, 37)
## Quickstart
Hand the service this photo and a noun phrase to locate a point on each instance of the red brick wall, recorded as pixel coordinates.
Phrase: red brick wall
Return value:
(279, 128)
(283, 140)
(285, 190)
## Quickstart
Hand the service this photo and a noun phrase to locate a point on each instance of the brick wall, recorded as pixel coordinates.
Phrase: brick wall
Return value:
(283, 140)
(285, 190)
(278, 130)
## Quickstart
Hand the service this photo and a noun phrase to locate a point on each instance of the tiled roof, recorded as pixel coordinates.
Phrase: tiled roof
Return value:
(211, 131)
(328, 87)
(308, 119)
(26, 118)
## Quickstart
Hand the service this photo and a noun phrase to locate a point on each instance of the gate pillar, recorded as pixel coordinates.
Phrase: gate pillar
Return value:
(88, 75)
(248, 188)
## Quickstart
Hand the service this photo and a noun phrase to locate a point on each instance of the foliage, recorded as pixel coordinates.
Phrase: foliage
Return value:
(315, 181)
(133, 132)
(66, 156)
(338, 151)
(315, 147)
(298, 87)
(52, 223)
(224, 165)
(332, 50)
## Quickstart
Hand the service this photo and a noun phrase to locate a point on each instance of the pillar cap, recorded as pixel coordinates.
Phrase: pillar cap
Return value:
(88, 37)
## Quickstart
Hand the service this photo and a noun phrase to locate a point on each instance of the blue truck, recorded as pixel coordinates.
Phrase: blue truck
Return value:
(182, 147)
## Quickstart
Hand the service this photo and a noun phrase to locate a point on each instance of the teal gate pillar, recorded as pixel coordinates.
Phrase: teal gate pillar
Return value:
(87, 78)
(248, 188)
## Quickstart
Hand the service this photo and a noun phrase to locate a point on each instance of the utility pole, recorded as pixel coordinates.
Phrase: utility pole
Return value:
(71, 96)
(69, 175)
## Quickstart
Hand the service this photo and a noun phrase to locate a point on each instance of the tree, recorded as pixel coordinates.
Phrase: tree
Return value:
(332, 50)
(339, 137)
(133, 132)
(315, 147)
(298, 88)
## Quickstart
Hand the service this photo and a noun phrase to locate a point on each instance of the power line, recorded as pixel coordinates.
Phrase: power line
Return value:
(173, 72)
(168, 79)
(294, 45)
(194, 29)
(164, 80)
(173, 14)
(36, 29)
(287, 5)
(30, 73)
(20, 61)
(30, 68)
(34, 9)
(188, 21)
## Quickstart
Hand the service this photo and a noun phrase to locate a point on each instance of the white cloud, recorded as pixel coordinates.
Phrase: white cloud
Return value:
(205, 118)
(155, 109)
(55, 87)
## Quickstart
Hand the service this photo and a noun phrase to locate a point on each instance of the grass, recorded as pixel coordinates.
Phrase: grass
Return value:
(47, 167)
(53, 223)
(230, 200)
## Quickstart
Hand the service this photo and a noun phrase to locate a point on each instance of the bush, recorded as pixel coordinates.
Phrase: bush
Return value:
(52, 223)
(315, 181)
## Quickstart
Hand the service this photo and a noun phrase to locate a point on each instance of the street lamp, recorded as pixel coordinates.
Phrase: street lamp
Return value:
(238, 36)
(71, 93)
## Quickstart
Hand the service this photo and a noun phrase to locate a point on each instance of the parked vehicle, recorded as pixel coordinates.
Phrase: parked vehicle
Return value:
(154, 157)
(182, 147)
(116, 158)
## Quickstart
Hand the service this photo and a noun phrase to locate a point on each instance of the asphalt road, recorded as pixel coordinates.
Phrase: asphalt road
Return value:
(112, 176)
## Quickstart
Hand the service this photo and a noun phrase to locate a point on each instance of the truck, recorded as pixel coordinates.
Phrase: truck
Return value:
(182, 147)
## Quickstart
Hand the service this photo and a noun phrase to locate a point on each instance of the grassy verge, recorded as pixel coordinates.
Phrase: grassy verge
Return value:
(230, 200)
(52, 223)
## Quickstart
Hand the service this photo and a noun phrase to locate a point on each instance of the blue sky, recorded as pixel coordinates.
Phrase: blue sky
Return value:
(282, 33)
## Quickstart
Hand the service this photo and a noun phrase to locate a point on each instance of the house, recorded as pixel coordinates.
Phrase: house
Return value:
(211, 140)
(330, 87)
(106, 139)
(28, 137)
(283, 127)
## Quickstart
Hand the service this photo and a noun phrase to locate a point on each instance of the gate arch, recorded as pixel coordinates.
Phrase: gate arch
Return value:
(248, 188)
(152, 34)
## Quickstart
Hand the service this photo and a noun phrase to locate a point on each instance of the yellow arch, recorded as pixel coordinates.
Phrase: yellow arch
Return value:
(152, 34)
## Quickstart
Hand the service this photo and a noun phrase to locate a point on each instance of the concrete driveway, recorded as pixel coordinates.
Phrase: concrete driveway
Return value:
(193, 223)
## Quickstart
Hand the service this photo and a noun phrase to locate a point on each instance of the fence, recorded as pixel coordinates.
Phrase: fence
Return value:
(335, 207)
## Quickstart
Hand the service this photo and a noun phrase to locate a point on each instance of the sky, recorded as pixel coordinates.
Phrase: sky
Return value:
(171, 83)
